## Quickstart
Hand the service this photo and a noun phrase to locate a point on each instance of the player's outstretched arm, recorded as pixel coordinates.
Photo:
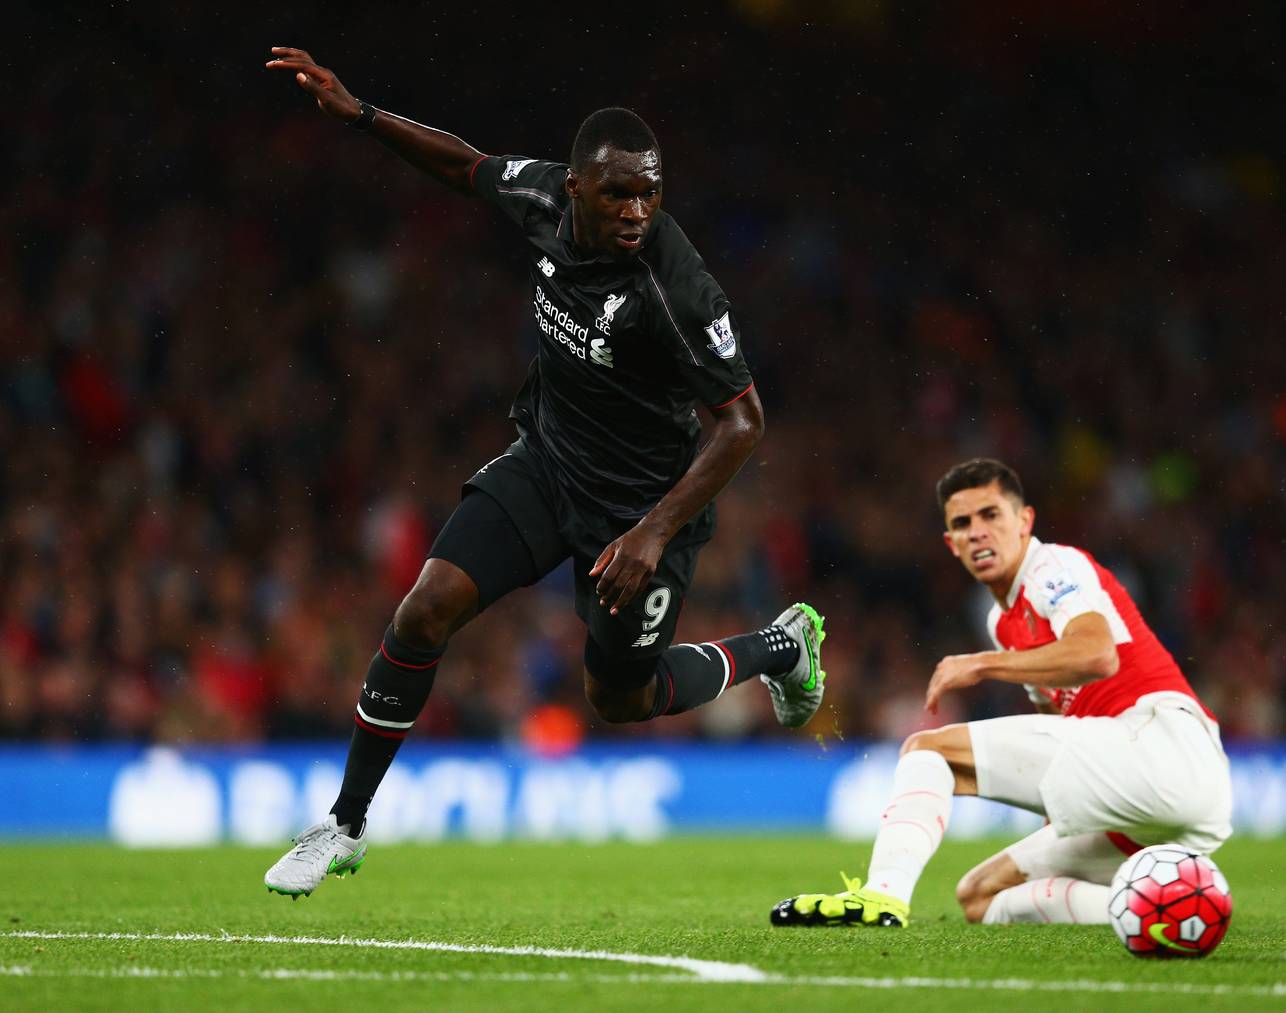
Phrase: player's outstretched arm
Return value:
(624, 568)
(1085, 652)
(436, 152)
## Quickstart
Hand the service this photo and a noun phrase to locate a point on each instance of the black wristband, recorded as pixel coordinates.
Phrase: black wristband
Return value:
(363, 118)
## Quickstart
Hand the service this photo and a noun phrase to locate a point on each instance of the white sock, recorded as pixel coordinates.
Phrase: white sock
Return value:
(913, 824)
(1058, 899)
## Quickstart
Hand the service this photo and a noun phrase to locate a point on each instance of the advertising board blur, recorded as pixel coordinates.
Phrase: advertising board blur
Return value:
(489, 792)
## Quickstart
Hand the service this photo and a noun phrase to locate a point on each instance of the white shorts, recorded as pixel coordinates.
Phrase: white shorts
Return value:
(1156, 772)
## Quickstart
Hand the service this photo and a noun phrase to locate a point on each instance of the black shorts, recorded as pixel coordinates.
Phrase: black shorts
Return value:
(547, 527)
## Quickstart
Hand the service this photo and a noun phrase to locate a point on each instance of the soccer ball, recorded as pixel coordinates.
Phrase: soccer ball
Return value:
(1169, 901)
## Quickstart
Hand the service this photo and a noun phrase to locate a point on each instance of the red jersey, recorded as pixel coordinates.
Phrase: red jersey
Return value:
(1057, 583)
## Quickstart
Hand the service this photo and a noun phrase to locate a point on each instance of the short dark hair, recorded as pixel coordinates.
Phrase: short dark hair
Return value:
(618, 127)
(975, 474)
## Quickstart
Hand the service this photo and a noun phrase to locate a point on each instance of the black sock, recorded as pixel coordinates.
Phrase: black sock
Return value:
(688, 675)
(770, 651)
(397, 685)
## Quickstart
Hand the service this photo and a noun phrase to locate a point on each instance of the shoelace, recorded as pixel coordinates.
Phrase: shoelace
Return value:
(311, 843)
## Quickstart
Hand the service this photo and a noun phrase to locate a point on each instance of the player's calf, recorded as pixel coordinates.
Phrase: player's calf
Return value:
(1059, 900)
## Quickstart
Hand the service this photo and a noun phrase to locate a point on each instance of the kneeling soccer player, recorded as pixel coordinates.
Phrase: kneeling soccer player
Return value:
(607, 470)
(1125, 755)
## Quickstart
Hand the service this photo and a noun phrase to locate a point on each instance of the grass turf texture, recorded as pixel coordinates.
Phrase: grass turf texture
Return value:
(700, 898)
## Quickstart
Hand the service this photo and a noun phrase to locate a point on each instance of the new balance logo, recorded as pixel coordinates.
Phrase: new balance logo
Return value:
(546, 268)
(646, 640)
(515, 166)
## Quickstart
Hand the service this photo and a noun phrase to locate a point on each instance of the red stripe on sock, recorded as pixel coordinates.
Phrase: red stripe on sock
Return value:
(384, 733)
(732, 664)
(1124, 844)
(913, 823)
(1035, 902)
(403, 664)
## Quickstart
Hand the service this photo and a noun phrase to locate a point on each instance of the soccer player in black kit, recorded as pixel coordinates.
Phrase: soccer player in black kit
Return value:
(607, 468)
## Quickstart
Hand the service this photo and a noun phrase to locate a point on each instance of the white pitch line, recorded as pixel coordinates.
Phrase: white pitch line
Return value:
(705, 970)
(1036, 985)
(723, 974)
(310, 974)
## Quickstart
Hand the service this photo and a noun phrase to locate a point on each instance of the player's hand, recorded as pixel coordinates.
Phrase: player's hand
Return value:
(322, 84)
(955, 671)
(626, 566)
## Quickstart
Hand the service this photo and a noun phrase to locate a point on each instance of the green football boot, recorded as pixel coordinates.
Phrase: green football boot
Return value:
(797, 694)
(854, 906)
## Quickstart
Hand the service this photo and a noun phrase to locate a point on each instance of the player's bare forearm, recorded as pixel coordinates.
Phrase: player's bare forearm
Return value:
(1085, 652)
(625, 567)
(442, 155)
(738, 429)
(436, 152)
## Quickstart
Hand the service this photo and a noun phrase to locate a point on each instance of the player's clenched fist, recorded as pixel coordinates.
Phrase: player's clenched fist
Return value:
(320, 83)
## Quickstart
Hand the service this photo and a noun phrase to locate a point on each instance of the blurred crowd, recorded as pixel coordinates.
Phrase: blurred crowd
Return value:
(247, 360)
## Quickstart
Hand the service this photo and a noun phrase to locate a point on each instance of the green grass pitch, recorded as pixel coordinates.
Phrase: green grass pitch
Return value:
(95, 927)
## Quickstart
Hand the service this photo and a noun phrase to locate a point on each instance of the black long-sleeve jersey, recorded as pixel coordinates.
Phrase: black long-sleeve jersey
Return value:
(627, 347)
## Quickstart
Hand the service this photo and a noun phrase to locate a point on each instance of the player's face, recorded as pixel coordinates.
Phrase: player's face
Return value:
(616, 198)
(988, 532)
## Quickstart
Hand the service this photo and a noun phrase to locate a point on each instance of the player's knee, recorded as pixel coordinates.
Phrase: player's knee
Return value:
(953, 745)
(425, 620)
(616, 712)
(619, 692)
(920, 740)
(951, 742)
(616, 708)
(973, 897)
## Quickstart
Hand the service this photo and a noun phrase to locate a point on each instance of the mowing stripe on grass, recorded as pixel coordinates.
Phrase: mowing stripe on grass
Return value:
(564, 977)
(701, 971)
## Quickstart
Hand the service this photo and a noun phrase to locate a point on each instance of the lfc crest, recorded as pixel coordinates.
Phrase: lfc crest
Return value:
(610, 305)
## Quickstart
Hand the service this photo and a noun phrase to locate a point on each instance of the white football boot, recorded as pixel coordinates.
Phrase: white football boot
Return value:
(797, 694)
(320, 850)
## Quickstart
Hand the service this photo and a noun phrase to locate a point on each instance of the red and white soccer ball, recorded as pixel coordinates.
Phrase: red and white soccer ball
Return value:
(1168, 901)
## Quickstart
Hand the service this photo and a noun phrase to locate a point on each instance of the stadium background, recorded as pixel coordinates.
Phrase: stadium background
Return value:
(247, 359)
